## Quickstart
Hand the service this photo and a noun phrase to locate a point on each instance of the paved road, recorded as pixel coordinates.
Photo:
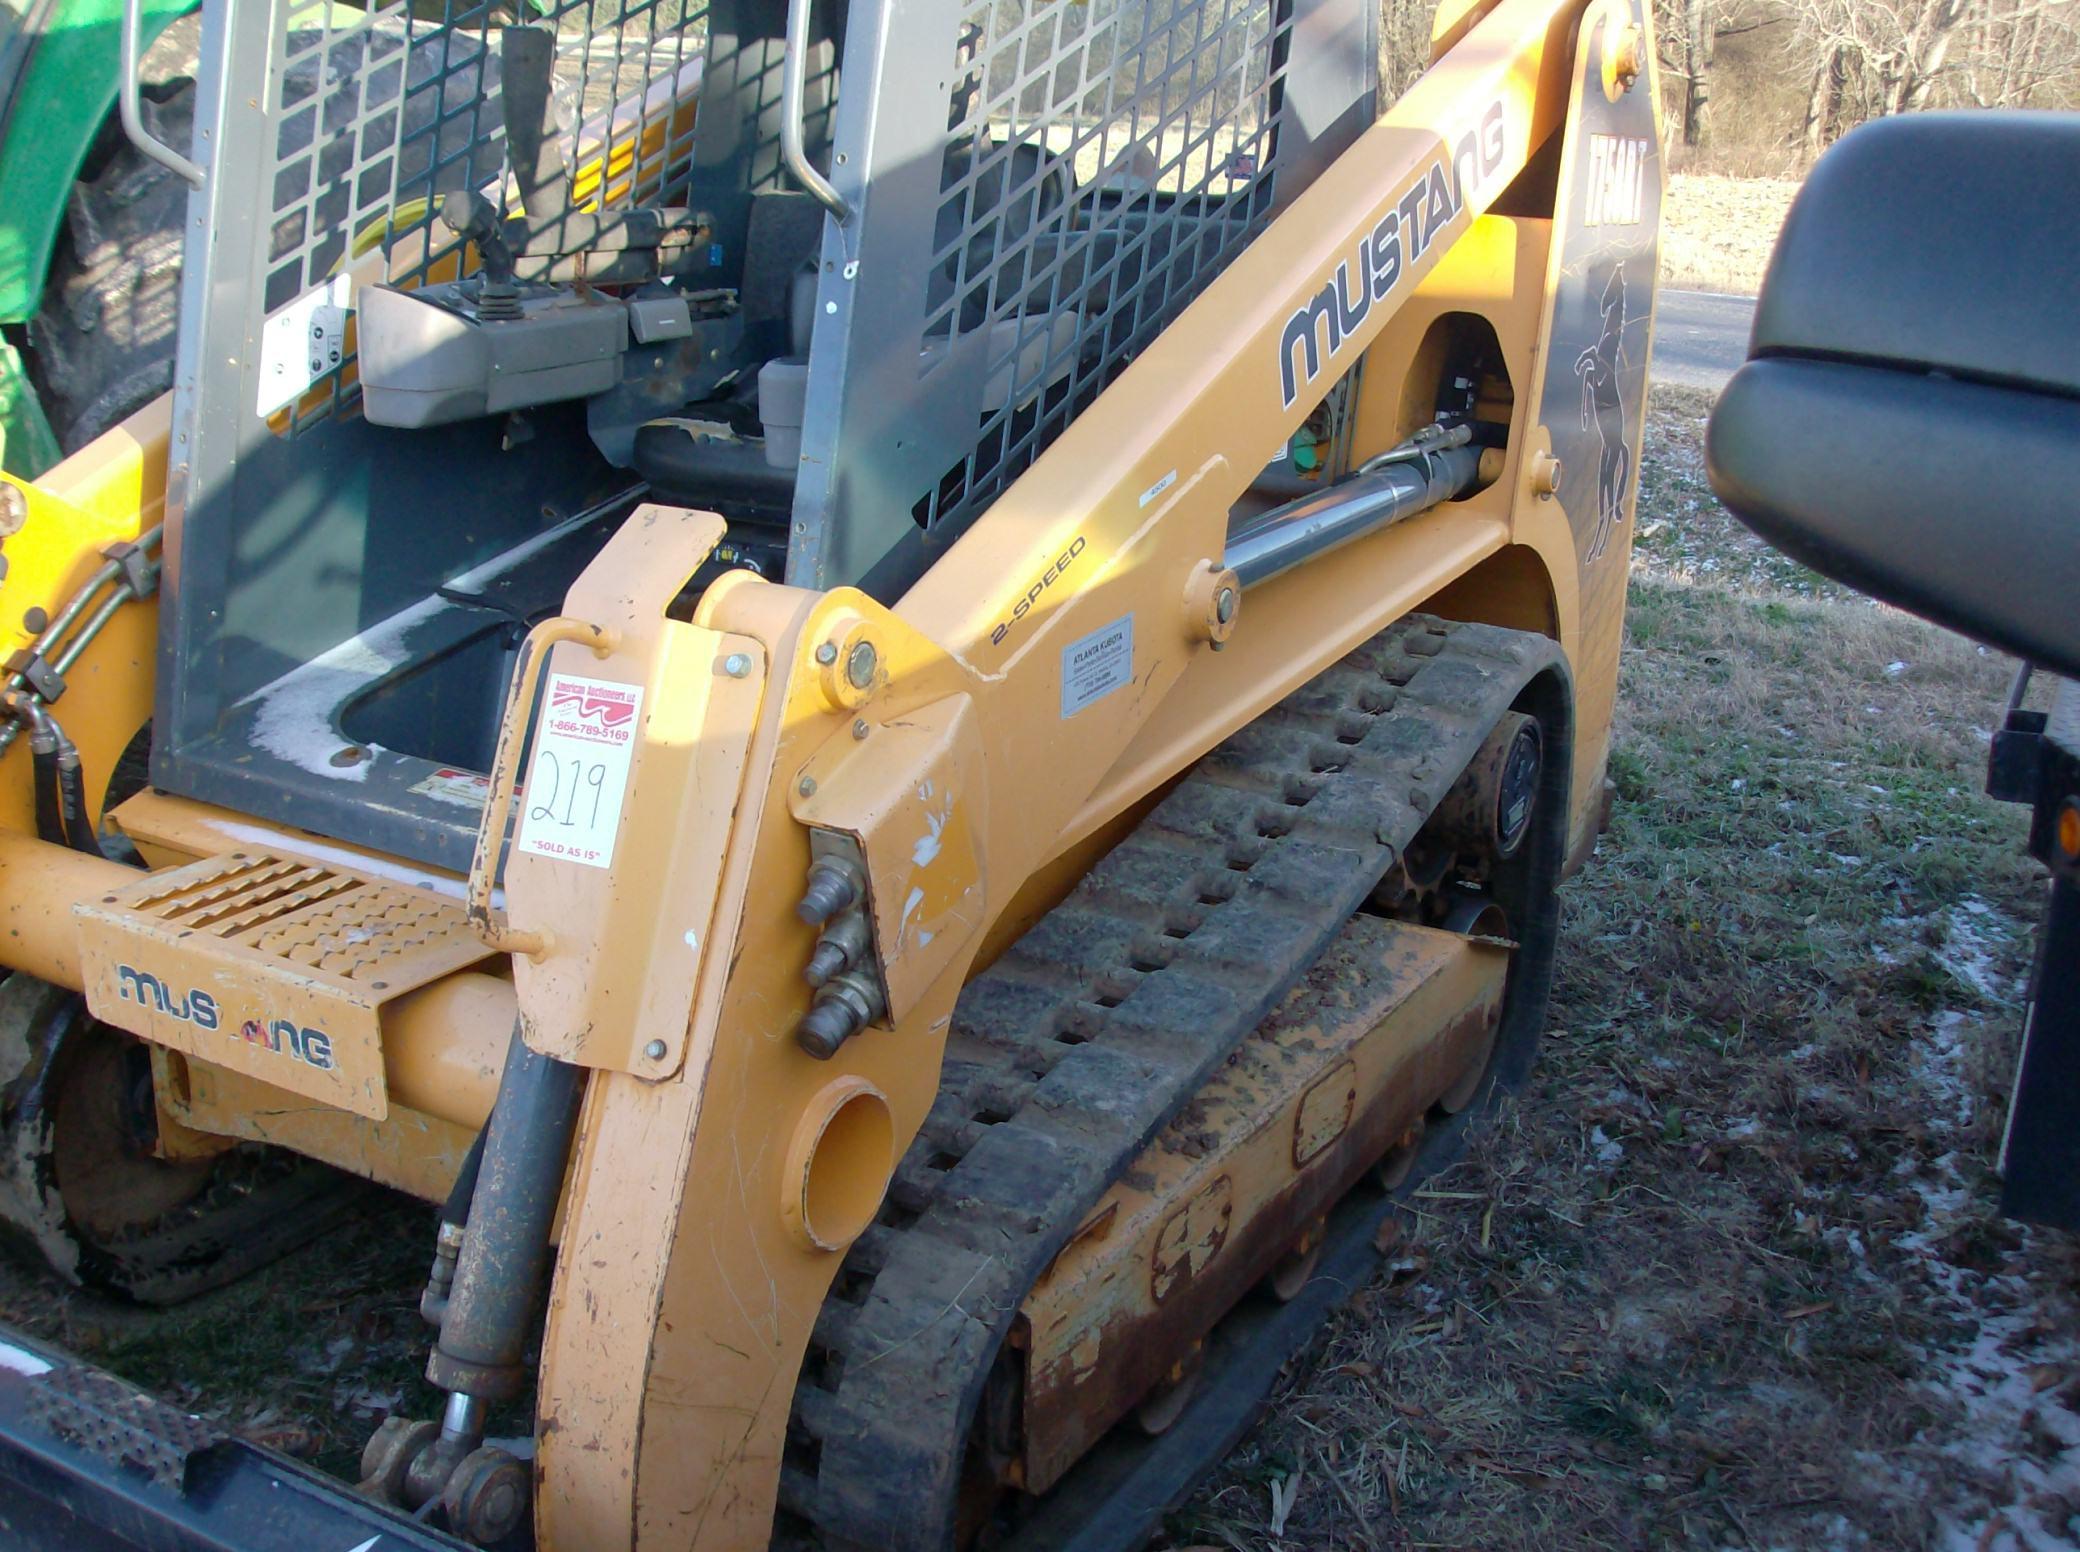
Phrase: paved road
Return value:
(1700, 337)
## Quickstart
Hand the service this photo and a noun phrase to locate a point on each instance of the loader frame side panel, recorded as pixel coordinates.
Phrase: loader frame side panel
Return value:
(1590, 403)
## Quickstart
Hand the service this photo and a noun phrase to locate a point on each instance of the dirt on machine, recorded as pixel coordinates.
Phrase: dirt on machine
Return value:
(894, 696)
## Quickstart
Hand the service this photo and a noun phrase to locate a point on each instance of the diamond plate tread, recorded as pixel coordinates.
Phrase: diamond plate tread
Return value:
(310, 915)
(1075, 1048)
(125, 1428)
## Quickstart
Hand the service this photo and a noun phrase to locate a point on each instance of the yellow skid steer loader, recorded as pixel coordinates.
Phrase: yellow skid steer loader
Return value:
(895, 688)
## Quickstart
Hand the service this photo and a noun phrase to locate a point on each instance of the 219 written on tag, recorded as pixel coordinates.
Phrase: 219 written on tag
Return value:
(571, 809)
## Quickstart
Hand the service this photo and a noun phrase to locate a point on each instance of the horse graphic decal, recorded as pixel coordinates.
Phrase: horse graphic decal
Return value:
(1603, 404)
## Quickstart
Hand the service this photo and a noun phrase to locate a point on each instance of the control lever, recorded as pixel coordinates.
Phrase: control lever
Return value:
(527, 61)
(474, 218)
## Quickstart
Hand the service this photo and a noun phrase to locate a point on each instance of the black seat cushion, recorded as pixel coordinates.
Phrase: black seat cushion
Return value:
(1908, 421)
(1955, 500)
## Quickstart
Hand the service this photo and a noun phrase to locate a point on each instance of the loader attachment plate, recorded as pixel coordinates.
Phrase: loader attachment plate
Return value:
(89, 1462)
(274, 967)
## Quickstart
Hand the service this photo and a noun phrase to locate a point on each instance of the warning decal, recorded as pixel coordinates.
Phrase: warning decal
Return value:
(578, 770)
(464, 788)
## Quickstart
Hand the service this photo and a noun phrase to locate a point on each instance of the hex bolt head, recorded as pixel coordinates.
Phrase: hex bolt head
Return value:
(832, 887)
(827, 653)
(844, 1007)
(859, 728)
(806, 786)
(655, 1050)
(14, 509)
(824, 1028)
(737, 664)
(825, 962)
(860, 664)
(1224, 605)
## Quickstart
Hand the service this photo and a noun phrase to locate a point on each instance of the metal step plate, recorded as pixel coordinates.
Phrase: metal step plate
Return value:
(271, 966)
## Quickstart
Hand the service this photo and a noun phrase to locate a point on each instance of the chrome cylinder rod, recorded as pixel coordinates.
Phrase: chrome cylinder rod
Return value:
(1274, 542)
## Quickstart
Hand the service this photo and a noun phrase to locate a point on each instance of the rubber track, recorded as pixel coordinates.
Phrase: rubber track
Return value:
(1075, 1048)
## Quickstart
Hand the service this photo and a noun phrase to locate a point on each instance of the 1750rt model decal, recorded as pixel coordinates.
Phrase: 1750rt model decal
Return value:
(1400, 238)
(1616, 181)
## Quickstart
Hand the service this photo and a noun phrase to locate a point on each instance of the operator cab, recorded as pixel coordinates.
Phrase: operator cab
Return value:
(507, 283)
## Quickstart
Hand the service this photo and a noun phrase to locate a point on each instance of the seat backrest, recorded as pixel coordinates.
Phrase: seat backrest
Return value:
(1937, 242)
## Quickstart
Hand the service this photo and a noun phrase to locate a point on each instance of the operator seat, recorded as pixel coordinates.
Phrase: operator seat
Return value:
(1908, 420)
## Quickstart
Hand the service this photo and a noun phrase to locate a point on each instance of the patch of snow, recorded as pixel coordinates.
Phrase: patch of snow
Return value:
(364, 1402)
(2007, 1392)
(313, 1360)
(300, 844)
(1938, 1060)
(1972, 946)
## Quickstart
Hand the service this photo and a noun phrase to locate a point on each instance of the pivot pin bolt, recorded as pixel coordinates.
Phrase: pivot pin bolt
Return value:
(860, 664)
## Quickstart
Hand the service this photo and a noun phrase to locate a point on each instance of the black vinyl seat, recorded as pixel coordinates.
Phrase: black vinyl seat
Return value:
(1908, 421)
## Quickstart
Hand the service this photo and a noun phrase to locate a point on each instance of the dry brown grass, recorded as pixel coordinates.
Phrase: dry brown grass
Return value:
(1717, 232)
(1705, 1282)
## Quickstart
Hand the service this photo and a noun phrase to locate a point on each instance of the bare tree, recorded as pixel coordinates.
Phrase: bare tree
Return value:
(1404, 44)
(1688, 31)
(1870, 58)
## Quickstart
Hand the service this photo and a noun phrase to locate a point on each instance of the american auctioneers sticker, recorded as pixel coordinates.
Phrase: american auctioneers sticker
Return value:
(583, 743)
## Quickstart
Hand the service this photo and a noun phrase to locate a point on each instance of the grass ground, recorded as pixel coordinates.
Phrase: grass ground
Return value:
(1726, 1275)
(1717, 232)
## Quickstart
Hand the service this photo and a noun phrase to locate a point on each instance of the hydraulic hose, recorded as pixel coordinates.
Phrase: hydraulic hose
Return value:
(72, 805)
(455, 1210)
(43, 777)
(58, 786)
